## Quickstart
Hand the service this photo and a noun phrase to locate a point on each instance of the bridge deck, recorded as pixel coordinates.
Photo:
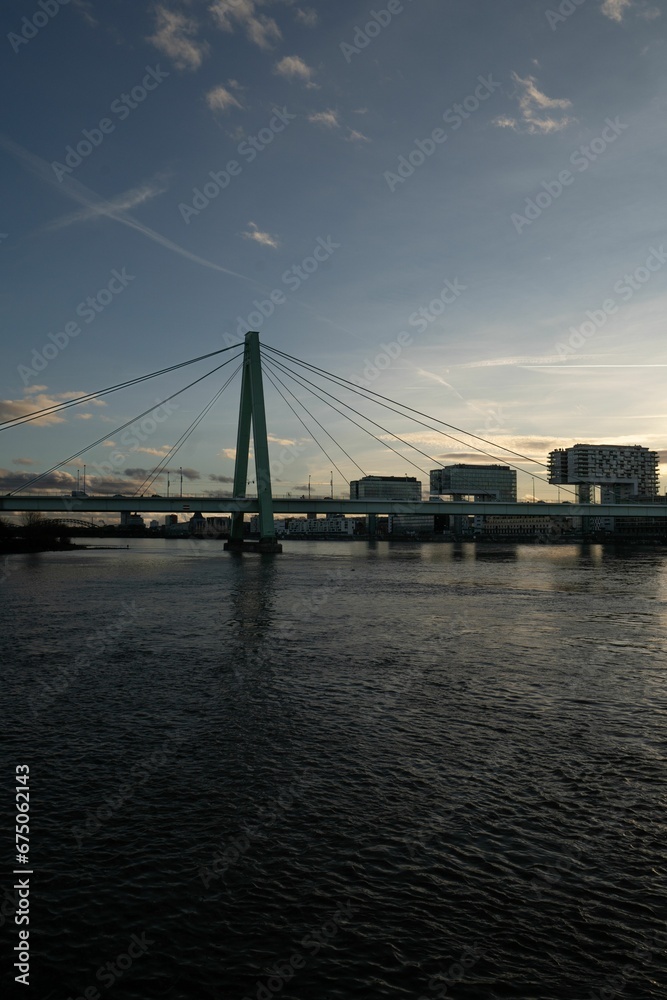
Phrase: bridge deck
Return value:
(282, 505)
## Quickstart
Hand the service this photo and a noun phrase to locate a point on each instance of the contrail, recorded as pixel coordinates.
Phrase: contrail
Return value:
(97, 205)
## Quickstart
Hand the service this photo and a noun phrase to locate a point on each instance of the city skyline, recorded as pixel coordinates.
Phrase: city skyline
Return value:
(446, 208)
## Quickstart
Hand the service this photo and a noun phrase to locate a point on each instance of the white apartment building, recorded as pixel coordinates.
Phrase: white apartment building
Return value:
(621, 471)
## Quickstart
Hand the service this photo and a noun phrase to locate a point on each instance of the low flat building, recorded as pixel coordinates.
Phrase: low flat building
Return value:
(521, 525)
(330, 525)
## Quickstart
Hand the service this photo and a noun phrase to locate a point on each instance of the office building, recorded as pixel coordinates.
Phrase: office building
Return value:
(483, 482)
(130, 520)
(386, 488)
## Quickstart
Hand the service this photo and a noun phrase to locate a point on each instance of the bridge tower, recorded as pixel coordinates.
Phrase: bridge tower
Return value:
(251, 410)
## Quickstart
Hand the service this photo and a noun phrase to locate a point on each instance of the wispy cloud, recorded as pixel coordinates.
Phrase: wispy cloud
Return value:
(120, 203)
(535, 108)
(221, 99)
(175, 37)
(259, 28)
(256, 234)
(22, 461)
(98, 206)
(434, 377)
(307, 16)
(615, 9)
(294, 68)
(85, 9)
(355, 136)
(327, 118)
(517, 361)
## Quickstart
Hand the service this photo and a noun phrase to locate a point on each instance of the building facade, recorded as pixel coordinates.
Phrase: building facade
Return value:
(386, 488)
(483, 482)
(334, 524)
(523, 526)
(621, 471)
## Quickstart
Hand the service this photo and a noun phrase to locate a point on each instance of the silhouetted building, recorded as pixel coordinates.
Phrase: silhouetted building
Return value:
(129, 520)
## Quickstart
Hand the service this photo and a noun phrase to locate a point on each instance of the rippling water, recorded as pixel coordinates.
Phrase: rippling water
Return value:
(346, 772)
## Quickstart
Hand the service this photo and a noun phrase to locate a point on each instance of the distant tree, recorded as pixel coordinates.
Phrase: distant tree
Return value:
(7, 529)
(42, 531)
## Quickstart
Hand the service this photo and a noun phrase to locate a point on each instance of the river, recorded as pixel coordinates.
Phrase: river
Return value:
(349, 771)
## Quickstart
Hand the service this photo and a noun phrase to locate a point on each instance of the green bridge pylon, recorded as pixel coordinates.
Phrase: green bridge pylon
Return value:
(251, 410)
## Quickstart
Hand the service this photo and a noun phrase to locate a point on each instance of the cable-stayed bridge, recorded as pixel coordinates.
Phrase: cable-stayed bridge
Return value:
(284, 372)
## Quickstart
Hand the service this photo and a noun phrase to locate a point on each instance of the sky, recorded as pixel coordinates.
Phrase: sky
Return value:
(457, 204)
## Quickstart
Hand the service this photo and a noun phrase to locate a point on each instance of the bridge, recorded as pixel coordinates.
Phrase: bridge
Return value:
(292, 506)
(252, 419)
(73, 522)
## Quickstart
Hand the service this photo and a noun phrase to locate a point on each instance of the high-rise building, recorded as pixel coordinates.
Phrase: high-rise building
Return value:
(386, 488)
(130, 520)
(621, 471)
(484, 482)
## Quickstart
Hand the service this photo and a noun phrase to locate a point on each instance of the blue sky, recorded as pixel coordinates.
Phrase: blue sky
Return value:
(483, 184)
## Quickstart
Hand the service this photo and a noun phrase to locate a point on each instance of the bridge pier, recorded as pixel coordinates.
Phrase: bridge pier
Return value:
(252, 411)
